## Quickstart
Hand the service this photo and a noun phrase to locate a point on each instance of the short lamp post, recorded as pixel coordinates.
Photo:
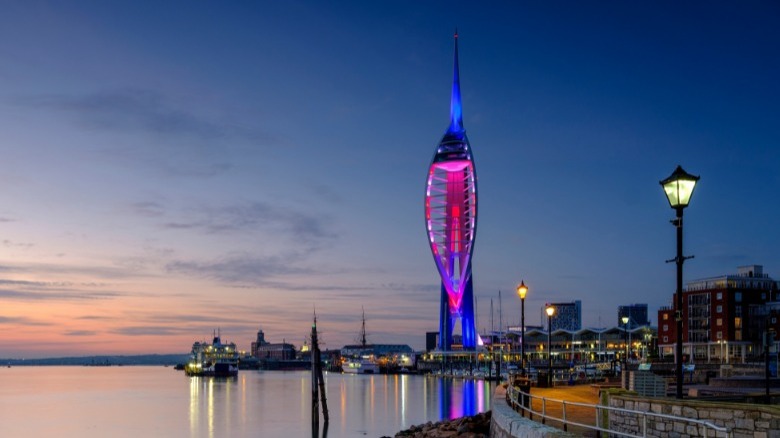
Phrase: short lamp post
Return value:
(550, 312)
(679, 189)
(522, 290)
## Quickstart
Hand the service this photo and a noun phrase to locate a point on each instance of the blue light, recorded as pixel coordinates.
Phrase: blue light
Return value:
(456, 108)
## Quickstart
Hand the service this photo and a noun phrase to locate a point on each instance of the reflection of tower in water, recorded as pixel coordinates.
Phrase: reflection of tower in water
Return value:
(451, 223)
(459, 398)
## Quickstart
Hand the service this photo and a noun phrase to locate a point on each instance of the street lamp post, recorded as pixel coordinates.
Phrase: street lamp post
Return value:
(679, 189)
(522, 289)
(625, 339)
(550, 311)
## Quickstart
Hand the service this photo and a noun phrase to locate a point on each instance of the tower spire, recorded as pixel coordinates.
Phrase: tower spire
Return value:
(456, 110)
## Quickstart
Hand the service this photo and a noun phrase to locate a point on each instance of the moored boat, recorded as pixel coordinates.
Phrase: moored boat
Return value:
(362, 365)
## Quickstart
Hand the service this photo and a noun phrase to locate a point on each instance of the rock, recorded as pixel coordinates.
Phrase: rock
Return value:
(477, 426)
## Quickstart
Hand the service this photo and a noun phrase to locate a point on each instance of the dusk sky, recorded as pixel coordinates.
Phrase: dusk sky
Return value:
(169, 168)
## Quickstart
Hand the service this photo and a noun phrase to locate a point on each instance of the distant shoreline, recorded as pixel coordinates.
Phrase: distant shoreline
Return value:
(100, 360)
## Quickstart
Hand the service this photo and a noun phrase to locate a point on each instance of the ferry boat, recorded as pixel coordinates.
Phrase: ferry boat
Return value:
(362, 365)
(215, 359)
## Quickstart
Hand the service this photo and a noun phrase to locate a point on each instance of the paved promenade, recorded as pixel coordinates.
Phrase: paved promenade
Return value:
(579, 414)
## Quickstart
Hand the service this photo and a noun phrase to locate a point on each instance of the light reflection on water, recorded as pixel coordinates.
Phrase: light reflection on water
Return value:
(158, 401)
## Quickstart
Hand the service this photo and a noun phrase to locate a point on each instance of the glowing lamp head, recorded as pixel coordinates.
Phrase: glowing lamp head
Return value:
(550, 311)
(679, 187)
(522, 289)
(625, 320)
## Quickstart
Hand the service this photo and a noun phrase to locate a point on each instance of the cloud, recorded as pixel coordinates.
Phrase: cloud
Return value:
(80, 333)
(53, 270)
(72, 295)
(242, 268)
(149, 331)
(10, 244)
(129, 109)
(304, 229)
(178, 140)
(148, 209)
(193, 331)
(21, 320)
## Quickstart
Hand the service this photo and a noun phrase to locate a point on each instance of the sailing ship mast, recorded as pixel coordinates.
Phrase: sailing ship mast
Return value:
(363, 341)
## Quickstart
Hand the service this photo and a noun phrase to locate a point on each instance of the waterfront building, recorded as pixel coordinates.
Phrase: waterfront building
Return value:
(568, 316)
(636, 313)
(723, 317)
(585, 345)
(451, 223)
(262, 349)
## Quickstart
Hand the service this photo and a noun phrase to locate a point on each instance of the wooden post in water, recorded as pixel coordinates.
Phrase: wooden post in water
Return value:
(317, 380)
(315, 399)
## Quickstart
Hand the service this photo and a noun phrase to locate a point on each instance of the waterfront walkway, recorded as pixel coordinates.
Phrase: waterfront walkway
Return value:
(578, 414)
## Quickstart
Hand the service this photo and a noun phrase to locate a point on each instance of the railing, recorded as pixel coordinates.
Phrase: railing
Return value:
(523, 402)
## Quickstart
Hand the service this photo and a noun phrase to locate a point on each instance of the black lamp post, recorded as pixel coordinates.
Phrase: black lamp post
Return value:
(550, 311)
(625, 339)
(679, 189)
(522, 289)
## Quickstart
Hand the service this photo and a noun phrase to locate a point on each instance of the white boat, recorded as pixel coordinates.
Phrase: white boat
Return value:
(215, 359)
(362, 362)
(362, 365)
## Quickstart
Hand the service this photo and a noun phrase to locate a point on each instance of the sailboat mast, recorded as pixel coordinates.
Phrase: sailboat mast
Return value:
(363, 342)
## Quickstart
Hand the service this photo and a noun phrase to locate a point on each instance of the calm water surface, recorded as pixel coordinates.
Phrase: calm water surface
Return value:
(158, 401)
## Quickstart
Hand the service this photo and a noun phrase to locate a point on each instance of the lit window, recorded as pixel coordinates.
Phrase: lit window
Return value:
(719, 322)
(666, 316)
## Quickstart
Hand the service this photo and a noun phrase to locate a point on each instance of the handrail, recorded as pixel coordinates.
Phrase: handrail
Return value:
(513, 395)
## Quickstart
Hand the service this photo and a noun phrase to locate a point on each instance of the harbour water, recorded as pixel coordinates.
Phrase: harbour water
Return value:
(159, 401)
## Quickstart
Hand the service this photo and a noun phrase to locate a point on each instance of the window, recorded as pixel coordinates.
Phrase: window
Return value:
(666, 338)
(763, 295)
(738, 323)
(719, 322)
(666, 327)
(719, 296)
(666, 316)
(737, 310)
(719, 309)
(720, 335)
(738, 297)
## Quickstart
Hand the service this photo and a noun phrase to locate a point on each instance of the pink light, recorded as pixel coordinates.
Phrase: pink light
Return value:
(451, 166)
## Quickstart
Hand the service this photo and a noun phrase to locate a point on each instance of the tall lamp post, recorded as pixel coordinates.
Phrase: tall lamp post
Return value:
(679, 189)
(522, 289)
(550, 312)
(625, 338)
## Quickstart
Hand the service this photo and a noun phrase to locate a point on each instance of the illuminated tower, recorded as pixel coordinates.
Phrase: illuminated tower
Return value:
(451, 223)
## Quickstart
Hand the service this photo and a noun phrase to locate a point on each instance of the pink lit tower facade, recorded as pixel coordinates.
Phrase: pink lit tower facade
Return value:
(451, 223)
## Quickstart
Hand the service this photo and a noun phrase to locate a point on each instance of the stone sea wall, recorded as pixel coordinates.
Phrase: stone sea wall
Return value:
(506, 423)
(501, 422)
(743, 420)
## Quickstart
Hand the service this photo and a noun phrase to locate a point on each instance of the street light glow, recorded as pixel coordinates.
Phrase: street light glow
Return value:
(522, 289)
(679, 187)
